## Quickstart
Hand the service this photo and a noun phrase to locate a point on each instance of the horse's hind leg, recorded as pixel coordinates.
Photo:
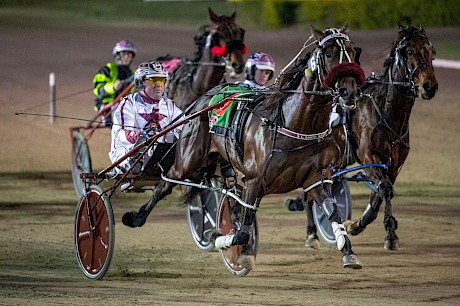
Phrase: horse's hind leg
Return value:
(138, 219)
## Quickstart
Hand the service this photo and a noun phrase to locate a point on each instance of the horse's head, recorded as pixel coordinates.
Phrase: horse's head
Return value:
(228, 41)
(335, 63)
(412, 56)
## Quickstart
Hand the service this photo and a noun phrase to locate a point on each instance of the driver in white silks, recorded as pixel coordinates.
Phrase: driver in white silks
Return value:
(143, 113)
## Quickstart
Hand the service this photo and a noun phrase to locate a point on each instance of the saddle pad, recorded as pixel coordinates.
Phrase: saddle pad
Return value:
(221, 116)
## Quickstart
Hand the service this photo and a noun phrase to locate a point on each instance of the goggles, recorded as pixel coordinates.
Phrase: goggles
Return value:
(154, 81)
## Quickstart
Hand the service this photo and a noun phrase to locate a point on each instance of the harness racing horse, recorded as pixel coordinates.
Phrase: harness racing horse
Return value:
(223, 47)
(286, 142)
(380, 123)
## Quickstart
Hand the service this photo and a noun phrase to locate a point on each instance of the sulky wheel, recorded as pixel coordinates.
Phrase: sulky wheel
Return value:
(341, 194)
(202, 217)
(81, 161)
(238, 259)
(94, 233)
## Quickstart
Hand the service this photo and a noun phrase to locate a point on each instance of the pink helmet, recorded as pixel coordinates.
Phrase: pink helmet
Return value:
(124, 45)
(261, 61)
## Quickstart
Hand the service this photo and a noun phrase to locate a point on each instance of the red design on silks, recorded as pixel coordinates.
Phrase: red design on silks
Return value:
(132, 136)
(153, 119)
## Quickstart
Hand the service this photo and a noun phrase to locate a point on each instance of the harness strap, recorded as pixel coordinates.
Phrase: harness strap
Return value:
(306, 137)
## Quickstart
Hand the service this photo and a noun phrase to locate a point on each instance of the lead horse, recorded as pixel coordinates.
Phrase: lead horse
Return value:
(220, 46)
(286, 143)
(379, 127)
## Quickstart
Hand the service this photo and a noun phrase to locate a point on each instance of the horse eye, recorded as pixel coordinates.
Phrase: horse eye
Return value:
(410, 51)
(328, 54)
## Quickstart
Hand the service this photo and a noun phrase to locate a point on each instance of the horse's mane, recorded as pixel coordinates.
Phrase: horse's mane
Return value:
(289, 80)
(200, 41)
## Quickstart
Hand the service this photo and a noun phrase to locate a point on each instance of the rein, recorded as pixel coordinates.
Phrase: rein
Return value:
(220, 64)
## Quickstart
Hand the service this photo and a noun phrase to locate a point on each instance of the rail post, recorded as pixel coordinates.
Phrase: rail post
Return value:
(52, 98)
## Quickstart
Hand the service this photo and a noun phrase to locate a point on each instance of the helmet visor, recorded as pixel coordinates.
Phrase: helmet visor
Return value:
(155, 80)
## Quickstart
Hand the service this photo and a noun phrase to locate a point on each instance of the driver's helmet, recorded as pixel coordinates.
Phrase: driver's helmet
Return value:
(148, 70)
(261, 61)
(124, 45)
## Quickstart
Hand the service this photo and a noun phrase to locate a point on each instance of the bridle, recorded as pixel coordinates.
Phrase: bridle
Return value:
(317, 62)
(399, 60)
(233, 43)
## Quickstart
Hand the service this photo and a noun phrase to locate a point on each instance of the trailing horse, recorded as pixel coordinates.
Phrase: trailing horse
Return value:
(378, 130)
(286, 143)
(220, 47)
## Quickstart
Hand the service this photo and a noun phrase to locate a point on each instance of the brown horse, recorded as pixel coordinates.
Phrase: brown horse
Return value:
(286, 142)
(379, 126)
(220, 46)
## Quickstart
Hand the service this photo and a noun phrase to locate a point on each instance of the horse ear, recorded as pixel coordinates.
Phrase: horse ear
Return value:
(233, 15)
(318, 34)
(422, 29)
(400, 27)
(212, 16)
(344, 29)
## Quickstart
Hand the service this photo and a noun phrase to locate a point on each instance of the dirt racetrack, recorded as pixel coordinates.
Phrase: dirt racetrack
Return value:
(158, 263)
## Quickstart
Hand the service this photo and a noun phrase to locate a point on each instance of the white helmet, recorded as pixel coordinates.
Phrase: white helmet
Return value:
(261, 61)
(147, 70)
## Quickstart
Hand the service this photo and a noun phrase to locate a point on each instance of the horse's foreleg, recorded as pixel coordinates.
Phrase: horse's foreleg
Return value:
(138, 219)
(243, 234)
(389, 221)
(312, 240)
(349, 259)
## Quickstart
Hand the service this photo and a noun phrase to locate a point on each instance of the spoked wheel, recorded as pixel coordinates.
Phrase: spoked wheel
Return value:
(81, 161)
(202, 217)
(94, 233)
(341, 194)
(238, 259)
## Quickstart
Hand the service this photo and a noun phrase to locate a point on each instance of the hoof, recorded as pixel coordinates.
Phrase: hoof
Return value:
(351, 261)
(391, 244)
(352, 227)
(294, 205)
(210, 235)
(128, 218)
(312, 242)
(247, 261)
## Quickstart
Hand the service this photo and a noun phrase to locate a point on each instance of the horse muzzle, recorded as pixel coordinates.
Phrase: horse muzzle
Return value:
(346, 98)
(428, 91)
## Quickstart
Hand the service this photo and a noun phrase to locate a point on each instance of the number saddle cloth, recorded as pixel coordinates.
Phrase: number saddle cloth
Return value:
(229, 119)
